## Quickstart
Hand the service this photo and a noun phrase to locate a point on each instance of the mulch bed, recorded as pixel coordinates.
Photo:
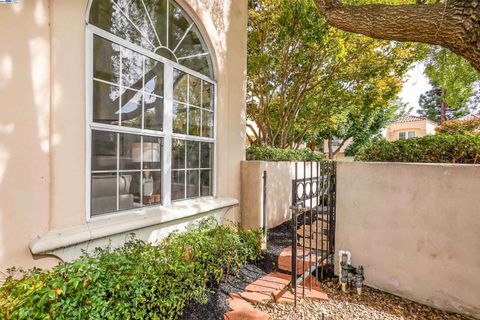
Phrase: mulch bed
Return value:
(216, 305)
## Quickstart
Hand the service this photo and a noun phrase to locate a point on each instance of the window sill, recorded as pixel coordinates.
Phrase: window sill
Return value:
(107, 226)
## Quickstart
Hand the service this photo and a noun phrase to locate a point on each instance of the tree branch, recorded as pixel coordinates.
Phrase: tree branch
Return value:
(453, 24)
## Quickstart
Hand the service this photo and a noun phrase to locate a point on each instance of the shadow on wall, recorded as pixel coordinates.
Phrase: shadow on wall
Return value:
(24, 129)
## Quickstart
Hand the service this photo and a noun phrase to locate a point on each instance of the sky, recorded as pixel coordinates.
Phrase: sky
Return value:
(416, 84)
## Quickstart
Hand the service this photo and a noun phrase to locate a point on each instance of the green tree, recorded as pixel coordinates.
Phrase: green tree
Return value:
(430, 104)
(360, 126)
(303, 74)
(452, 78)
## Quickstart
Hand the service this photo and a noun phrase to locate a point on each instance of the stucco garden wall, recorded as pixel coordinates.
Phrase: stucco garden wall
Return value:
(415, 229)
(279, 191)
(43, 124)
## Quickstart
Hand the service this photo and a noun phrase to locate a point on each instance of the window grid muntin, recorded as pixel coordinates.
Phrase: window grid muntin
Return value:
(200, 106)
(186, 169)
(95, 31)
(119, 171)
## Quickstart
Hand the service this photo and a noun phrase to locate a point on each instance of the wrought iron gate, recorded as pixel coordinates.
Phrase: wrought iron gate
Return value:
(313, 222)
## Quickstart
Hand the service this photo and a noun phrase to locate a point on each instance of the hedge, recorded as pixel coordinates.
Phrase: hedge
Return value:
(459, 126)
(268, 153)
(137, 281)
(440, 148)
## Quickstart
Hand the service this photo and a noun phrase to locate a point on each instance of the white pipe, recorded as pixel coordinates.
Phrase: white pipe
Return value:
(349, 260)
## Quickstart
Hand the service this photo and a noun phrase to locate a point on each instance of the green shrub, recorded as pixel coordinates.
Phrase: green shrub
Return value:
(459, 126)
(440, 148)
(136, 281)
(268, 153)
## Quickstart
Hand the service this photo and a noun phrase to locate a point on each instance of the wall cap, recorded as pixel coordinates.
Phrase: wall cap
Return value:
(426, 164)
(107, 226)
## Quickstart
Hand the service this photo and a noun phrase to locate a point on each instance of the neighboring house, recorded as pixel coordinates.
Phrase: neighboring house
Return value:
(118, 117)
(409, 127)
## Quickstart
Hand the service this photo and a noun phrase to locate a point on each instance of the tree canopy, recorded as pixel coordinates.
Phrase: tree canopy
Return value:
(305, 78)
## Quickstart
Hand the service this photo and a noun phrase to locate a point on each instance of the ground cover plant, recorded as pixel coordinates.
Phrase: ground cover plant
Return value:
(137, 281)
(439, 148)
(268, 153)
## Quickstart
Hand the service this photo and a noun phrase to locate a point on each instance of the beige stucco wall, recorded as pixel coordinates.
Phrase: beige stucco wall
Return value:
(279, 191)
(42, 126)
(415, 229)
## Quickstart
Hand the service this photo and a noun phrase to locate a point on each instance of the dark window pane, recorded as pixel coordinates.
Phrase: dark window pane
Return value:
(129, 190)
(104, 150)
(178, 185)
(195, 121)
(130, 151)
(180, 86)
(195, 91)
(193, 183)
(131, 109)
(135, 11)
(206, 157)
(191, 44)
(207, 124)
(178, 154)
(105, 103)
(178, 24)
(106, 60)
(151, 187)
(207, 95)
(193, 153)
(153, 77)
(104, 193)
(201, 64)
(132, 69)
(206, 183)
(109, 17)
(158, 14)
(179, 118)
(153, 119)
(152, 156)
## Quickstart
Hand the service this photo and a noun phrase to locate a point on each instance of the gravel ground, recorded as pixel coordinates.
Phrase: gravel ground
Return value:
(372, 304)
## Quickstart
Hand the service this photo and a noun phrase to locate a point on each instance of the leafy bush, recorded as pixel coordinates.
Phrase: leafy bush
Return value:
(440, 148)
(268, 153)
(459, 126)
(137, 281)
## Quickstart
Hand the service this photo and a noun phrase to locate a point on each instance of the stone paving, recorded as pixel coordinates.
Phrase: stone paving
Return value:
(272, 288)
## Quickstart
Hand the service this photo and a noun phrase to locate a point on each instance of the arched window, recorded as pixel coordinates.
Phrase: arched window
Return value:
(151, 106)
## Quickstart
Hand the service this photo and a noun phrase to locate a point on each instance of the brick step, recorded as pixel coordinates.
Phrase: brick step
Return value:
(314, 228)
(270, 286)
(242, 309)
(314, 244)
(285, 259)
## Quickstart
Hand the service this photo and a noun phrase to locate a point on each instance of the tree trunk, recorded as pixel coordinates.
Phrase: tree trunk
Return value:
(330, 148)
(443, 106)
(454, 24)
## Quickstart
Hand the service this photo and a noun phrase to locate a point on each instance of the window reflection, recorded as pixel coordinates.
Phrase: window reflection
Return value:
(145, 24)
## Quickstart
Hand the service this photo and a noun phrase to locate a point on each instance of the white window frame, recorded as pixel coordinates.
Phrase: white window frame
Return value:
(166, 134)
(406, 132)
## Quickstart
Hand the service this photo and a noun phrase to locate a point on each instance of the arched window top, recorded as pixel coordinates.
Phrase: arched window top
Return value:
(159, 26)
